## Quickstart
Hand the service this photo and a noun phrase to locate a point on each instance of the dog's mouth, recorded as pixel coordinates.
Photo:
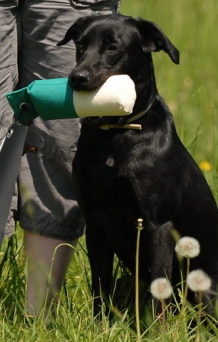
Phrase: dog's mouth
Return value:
(85, 87)
(82, 82)
(93, 121)
(96, 121)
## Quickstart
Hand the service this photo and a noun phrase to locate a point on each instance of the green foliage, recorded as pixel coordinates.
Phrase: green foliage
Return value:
(191, 91)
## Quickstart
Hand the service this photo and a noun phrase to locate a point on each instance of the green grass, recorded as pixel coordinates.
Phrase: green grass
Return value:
(191, 91)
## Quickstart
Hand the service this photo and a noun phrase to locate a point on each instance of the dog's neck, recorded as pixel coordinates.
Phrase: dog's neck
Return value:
(147, 92)
(145, 98)
(130, 122)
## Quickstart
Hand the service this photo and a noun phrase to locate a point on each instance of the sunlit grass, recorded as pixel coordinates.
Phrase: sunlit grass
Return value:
(190, 89)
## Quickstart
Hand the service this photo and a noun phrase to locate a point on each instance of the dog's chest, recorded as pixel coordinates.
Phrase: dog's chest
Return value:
(105, 162)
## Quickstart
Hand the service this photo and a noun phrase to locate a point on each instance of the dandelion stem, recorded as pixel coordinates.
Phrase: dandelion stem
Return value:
(184, 298)
(139, 228)
(186, 284)
(163, 316)
(197, 337)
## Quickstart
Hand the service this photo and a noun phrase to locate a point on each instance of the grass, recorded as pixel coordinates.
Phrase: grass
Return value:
(191, 91)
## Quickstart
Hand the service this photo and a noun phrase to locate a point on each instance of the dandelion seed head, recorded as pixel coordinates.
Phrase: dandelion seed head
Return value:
(188, 247)
(198, 280)
(161, 288)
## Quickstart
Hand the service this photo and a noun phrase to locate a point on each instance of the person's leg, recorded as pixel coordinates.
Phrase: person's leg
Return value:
(50, 216)
(49, 213)
(48, 261)
(8, 79)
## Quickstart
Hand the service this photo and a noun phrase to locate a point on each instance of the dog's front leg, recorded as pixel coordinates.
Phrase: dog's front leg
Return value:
(162, 251)
(101, 261)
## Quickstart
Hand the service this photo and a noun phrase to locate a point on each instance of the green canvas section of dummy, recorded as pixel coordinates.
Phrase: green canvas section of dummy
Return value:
(16, 100)
(50, 99)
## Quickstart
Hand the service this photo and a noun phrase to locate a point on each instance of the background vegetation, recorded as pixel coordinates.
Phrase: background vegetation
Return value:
(191, 91)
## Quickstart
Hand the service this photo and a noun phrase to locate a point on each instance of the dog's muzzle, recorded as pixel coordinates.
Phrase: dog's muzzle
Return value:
(96, 121)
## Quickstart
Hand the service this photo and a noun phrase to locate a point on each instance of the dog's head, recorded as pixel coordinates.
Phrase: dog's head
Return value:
(114, 44)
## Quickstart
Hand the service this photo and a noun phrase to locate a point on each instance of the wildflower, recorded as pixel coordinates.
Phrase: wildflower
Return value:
(205, 166)
(188, 247)
(161, 288)
(198, 280)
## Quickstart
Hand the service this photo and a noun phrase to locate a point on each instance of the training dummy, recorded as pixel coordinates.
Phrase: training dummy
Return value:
(55, 99)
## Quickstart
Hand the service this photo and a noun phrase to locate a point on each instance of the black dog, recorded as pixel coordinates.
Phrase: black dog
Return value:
(122, 174)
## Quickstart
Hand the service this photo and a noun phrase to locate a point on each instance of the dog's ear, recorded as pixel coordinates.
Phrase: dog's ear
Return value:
(73, 31)
(154, 39)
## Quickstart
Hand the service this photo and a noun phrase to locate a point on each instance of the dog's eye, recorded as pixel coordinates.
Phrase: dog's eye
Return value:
(111, 47)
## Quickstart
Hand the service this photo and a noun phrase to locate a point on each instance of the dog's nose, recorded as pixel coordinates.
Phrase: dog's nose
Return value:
(79, 79)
